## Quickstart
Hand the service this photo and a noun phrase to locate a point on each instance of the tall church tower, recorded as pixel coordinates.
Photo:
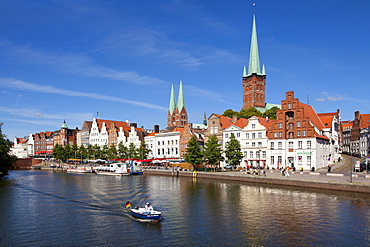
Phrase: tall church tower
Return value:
(254, 82)
(177, 114)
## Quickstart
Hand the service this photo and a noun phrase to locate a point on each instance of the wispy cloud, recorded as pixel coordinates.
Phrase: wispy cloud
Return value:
(22, 85)
(198, 92)
(38, 114)
(327, 97)
(74, 63)
(154, 46)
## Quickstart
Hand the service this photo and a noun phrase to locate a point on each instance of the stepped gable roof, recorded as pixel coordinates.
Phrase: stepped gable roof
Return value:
(312, 115)
(21, 140)
(347, 124)
(225, 121)
(118, 124)
(327, 118)
(241, 122)
(88, 124)
(365, 121)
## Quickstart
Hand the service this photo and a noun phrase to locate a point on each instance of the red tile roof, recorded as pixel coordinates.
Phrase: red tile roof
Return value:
(365, 121)
(225, 121)
(312, 115)
(327, 118)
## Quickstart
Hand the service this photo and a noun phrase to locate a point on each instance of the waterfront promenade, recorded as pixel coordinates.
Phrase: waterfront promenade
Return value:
(340, 178)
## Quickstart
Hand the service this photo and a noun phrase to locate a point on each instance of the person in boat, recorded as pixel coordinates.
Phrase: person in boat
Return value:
(148, 207)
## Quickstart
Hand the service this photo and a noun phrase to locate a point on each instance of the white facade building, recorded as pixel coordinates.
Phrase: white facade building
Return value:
(164, 145)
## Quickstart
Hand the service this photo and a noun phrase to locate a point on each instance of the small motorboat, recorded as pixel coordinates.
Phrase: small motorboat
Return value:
(145, 213)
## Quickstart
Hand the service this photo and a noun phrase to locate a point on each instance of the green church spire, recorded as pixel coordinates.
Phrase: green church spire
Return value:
(172, 106)
(180, 98)
(254, 61)
(64, 125)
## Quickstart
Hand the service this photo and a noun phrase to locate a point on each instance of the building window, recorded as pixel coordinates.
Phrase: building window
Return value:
(298, 133)
(280, 145)
(246, 154)
(253, 144)
(272, 160)
(247, 135)
(280, 134)
(263, 154)
(247, 144)
(259, 144)
(238, 134)
(253, 126)
(289, 105)
(276, 134)
(259, 134)
(303, 133)
(308, 160)
(300, 160)
(300, 144)
(258, 155)
(226, 135)
(290, 144)
(253, 135)
(308, 144)
(251, 154)
(280, 125)
(272, 145)
(298, 123)
(280, 160)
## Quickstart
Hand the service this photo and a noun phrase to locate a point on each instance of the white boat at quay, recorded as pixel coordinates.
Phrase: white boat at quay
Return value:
(114, 169)
(80, 170)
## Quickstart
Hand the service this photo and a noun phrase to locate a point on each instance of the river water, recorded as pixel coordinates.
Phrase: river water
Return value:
(46, 208)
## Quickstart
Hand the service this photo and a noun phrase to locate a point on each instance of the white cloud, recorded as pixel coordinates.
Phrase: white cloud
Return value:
(327, 97)
(22, 85)
(75, 64)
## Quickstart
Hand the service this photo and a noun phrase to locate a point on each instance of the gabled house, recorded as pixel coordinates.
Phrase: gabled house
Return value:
(296, 137)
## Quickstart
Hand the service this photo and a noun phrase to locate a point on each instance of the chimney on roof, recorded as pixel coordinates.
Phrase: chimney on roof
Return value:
(156, 128)
(235, 118)
(267, 119)
(128, 122)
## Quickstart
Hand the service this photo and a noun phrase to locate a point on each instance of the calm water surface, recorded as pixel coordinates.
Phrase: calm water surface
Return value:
(46, 208)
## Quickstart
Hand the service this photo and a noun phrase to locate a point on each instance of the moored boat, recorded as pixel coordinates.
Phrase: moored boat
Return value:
(80, 170)
(114, 169)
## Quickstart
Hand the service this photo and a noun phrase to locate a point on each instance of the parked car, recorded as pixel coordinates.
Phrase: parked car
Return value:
(359, 167)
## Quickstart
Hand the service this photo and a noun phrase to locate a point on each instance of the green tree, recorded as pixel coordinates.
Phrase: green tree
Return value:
(142, 151)
(193, 154)
(58, 152)
(250, 112)
(7, 160)
(82, 152)
(233, 151)
(75, 151)
(230, 113)
(112, 152)
(67, 152)
(271, 113)
(213, 151)
(104, 152)
(122, 151)
(132, 152)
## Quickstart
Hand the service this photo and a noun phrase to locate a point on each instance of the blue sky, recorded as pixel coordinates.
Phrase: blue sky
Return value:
(68, 59)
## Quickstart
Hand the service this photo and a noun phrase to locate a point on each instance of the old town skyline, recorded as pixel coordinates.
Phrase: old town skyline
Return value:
(48, 79)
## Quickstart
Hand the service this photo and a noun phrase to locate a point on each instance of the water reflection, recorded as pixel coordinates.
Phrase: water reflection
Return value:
(46, 208)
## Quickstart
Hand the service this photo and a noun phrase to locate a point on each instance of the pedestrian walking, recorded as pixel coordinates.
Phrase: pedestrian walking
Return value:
(287, 172)
(282, 171)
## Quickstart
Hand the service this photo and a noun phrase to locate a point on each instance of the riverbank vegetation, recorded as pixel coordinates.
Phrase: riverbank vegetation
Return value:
(7, 160)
